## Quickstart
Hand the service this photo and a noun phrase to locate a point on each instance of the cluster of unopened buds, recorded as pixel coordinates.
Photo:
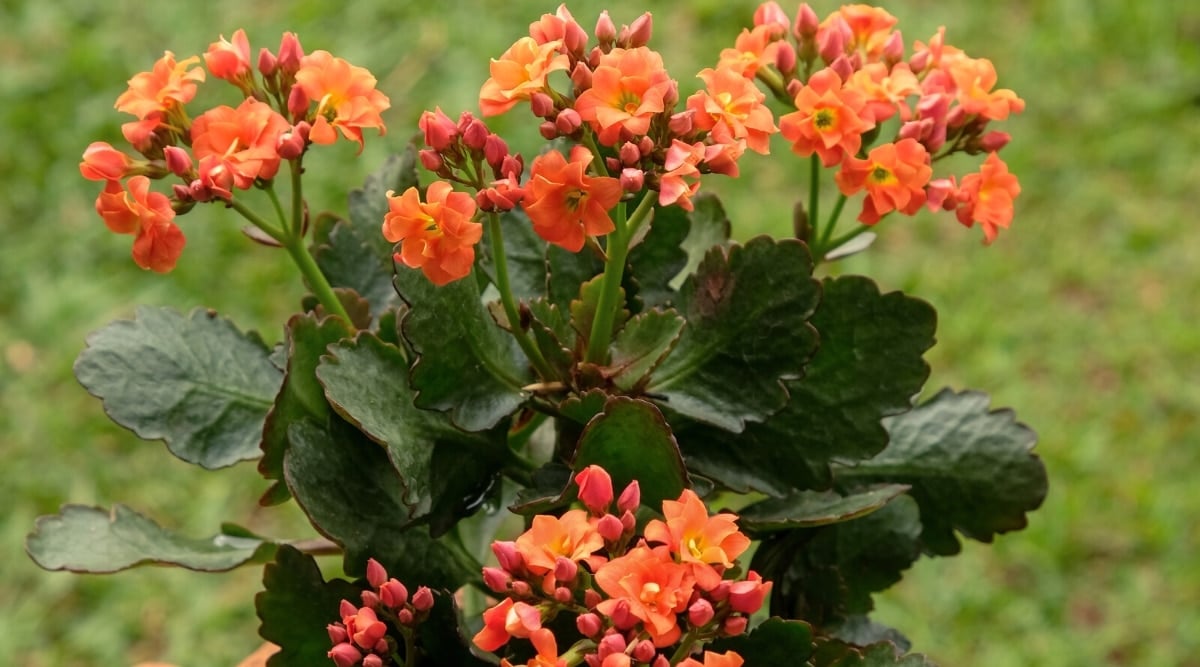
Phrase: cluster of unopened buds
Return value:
(367, 635)
(652, 599)
(290, 101)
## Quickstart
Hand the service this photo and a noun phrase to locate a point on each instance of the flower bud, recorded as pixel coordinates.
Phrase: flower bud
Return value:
(661, 661)
(794, 87)
(182, 193)
(381, 647)
(747, 596)
(771, 14)
(102, 162)
(612, 643)
(345, 655)
(512, 167)
(632, 180)
(681, 124)
(628, 521)
(290, 53)
(644, 651)
(548, 130)
(267, 62)
(337, 633)
(565, 569)
(629, 155)
(509, 558)
(376, 575)
(919, 61)
(393, 594)
(591, 598)
(405, 616)
(493, 577)
(612, 164)
(640, 30)
(994, 141)
(563, 595)
(494, 151)
(700, 613)
(606, 30)
(940, 194)
(347, 609)
(422, 600)
(589, 625)
(568, 122)
(370, 599)
(521, 589)
(832, 42)
(372, 660)
(595, 484)
(807, 23)
(475, 135)
(623, 618)
(431, 159)
(542, 105)
(290, 145)
(720, 592)
(178, 161)
(581, 77)
(297, 103)
(893, 49)
(785, 58)
(734, 626)
(842, 66)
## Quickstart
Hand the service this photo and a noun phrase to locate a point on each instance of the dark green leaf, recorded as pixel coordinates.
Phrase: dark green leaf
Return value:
(660, 257)
(525, 252)
(639, 347)
(971, 469)
(567, 271)
(90, 539)
(443, 469)
(860, 630)
(869, 365)
(467, 365)
(805, 509)
(835, 653)
(581, 408)
(295, 607)
(353, 496)
(709, 227)
(196, 382)
(548, 491)
(776, 641)
(553, 335)
(631, 440)
(583, 309)
(747, 309)
(300, 397)
(356, 256)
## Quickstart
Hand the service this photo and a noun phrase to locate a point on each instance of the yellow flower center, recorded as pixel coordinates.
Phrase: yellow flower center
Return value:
(695, 547)
(824, 119)
(881, 175)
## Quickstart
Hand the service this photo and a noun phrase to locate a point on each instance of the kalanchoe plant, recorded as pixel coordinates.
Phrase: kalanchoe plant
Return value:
(525, 334)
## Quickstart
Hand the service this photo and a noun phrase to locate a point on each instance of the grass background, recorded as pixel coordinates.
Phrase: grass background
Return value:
(1082, 317)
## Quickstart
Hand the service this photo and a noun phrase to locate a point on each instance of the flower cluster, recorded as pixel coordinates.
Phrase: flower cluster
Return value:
(289, 100)
(366, 635)
(848, 75)
(649, 599)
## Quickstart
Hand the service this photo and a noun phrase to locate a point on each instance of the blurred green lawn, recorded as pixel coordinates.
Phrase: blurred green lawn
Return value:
(1082, 317)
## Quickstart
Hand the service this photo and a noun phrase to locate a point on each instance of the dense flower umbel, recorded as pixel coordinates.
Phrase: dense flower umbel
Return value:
(633, 597)
(383, 626)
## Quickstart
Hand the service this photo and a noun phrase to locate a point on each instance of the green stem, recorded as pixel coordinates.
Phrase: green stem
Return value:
(297, 198)
(270, 189)
(614, 268)
(510, 306)
(685, 647)
(823, 245)
(271, 230)
(814, 198)
(589, 141)
(774, 81)
(845, 238)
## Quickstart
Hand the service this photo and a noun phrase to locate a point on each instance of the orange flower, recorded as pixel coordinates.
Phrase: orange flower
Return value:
(570, 536)
(244, 139)
(974, 79)
(148, 215)
(885, 91)
(987, 197)
(346, 98)
(165, 87)
(829, 119)
(697, 539)
(547, 651)
(870, 28)
(629, 87)
(711, 659)
(494, 634)
(731, 107)
(230, 60)
(894, 176)
(753, 49)
(438, 236)
(520, 73)
(681, 178)
(653, 584)
(564, 203)
(102, 162)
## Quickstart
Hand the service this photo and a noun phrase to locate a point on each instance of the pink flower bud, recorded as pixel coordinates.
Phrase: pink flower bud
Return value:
(290, 53)
(606, 30)
(831, 43)
(178, 161)
(994, 141)
(956, 117)
(290, 145)
(267, 63)
(681, 124)
(347, 609)
(376, 575)
(181, 192)
(734, 626)
(671, 96)
(337, 633)
(794, 87)
(563, 595)
(512, 167)
(785, 58)
(612, 643)
(102, 162)
(893, 49)
(806, 24)
(393, 594)
(548, 130)
(422, 600)
(591, 598)
(440, 132)
(405, 616)
(940, 194)
(640, 30)
(565, 569)
(297, 103)
(475, 135)
(629, 155)
(644, 651)
(720, 592)
(842, 66)
(521, 589)
(370, 599)
(771, 14)
(345, 655)
(661, 661)
(431, 159)
(494, 151)
(581, 77)
(632, 180)
(919, 61)
(567, 122)
(595, 485)
(372, 660)
(700, 613)
(496, 578)
(589, 625)
(381, 646)
(509, 558)
(622, 617)
(747, 596)
(542, 105)
(628, 521)
(612, 164)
